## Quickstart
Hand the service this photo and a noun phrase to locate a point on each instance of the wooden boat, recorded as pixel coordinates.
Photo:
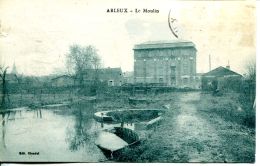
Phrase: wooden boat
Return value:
(114, 141)
(103, 117)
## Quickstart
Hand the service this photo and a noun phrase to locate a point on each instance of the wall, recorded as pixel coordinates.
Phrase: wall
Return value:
(172, 66)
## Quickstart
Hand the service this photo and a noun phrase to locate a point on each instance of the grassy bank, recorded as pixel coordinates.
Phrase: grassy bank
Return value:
(230, 106)
(214, 131)
(17, 100)
(235, 125)
(157, 147)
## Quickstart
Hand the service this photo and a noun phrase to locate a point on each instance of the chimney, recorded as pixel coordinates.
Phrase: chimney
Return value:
(228, 66)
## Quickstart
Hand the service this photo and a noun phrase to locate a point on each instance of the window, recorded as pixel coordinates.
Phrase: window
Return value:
(173, 70)
(173, 80)
(111, 83)
(185, 67)
(185, 81)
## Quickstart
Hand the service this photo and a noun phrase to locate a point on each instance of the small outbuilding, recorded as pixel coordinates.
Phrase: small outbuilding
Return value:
(221, 78)
(109, 76)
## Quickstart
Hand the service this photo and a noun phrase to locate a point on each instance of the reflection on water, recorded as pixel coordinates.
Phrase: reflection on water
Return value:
(80, 135)
(65, 134)
(3, 130)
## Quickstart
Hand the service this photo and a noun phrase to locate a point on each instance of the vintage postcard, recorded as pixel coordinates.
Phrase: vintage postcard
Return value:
(127, 81)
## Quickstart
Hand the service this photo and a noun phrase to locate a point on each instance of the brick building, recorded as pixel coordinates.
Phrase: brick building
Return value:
(168, 63)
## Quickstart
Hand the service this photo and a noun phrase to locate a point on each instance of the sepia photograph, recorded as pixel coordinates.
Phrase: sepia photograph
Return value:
(127, 81)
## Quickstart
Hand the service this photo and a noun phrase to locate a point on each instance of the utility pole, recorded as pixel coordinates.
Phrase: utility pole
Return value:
(209, 62)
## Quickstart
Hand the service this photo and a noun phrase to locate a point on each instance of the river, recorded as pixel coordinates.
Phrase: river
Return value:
(55, 134)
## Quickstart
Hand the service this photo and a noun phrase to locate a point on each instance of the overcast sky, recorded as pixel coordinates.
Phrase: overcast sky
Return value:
(36, 35)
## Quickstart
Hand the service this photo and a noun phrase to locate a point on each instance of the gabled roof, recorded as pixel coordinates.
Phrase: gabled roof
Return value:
(109, 70)
(200, 74)
(62, 76)
(221, 71)
(104, 73)
(104, 70)
(164, 44)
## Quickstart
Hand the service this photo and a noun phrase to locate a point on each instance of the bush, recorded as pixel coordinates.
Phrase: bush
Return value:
(233, 107)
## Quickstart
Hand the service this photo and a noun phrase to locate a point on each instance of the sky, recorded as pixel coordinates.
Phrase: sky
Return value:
(36, 35)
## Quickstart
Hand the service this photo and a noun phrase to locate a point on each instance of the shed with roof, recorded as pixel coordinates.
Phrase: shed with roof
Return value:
(221, 78)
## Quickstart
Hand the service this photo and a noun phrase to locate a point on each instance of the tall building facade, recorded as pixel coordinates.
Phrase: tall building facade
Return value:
(169, 63)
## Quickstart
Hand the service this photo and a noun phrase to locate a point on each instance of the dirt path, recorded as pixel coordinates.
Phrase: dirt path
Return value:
(190, 135)
(194, 134)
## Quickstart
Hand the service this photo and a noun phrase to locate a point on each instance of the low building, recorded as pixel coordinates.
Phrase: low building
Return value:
(128, 77)
(63, 81)
(197, 81)
(111, 76)
(221, 78)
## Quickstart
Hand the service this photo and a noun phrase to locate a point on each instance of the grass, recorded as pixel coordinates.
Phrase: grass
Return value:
(235, 140)
(17, 100)
(236, 132)
(158, 147)
(229, 106)
(134, 115)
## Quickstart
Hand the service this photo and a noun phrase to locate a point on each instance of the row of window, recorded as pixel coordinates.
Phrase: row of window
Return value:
(166, 59)
(173, 80)
(150, 70)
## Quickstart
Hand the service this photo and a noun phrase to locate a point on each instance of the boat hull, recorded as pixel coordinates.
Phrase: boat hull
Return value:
(125, 134)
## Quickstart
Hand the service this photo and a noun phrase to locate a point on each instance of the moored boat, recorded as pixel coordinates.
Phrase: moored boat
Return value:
(103, 117)
(113, 141)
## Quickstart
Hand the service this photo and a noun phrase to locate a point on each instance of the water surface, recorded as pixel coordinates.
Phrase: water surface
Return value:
(56, 134)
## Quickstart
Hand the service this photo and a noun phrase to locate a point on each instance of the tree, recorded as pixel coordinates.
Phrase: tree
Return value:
(3, 71)
(80, 59)
(247, 97)
(251, 70)
(251, 79)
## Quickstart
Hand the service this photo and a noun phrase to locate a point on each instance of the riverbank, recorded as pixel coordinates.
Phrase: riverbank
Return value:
(196, 127)
(188, 133)
(35, 101)
(235, 125)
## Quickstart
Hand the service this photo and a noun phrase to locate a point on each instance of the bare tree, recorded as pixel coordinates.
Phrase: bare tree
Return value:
(3, 71)
(251, 80)
(80, 59)
(96, 62)
(251, 70)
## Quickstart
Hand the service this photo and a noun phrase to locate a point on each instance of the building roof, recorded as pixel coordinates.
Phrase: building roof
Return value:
(164, 44)
(62, 76)
(199, 74)
(221, 71)
(109, 70)
(105, 73)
